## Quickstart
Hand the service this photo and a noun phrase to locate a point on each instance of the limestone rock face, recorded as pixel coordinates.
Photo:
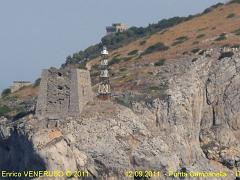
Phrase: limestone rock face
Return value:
(195, 127)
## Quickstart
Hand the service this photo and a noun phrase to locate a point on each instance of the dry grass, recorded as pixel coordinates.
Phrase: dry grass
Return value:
(27, 91)
(211, 25)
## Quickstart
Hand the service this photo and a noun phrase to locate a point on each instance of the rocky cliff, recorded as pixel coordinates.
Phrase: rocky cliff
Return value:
(192, 126)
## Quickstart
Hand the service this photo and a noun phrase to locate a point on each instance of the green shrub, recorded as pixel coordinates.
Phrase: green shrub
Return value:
(156, 47)
(237, 32)
(177, 43)
(126, 58)
(195, 50)
(95, 66)
(6, 92)
(164, 31)
(226, 54)
(114, 60)
(158, 91)
(201, 52)
(133, 52)
(235, 46)
(180, 40)
(231, 15)
(122, 69)
(154, 88)
(127, 99)
(200, 36)
(117, 60)
(234, 1)
(202, 29)
(117, 55)
(82, 65)
(225, 45)
(160, 62)
(37, 82)
(221, 37)
(4, 110)
(212, 8)
(150, 73)
(142, 42)
(194, 59)
(195, 42)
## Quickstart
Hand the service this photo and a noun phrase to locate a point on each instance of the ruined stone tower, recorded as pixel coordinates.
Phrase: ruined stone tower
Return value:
(63, 93)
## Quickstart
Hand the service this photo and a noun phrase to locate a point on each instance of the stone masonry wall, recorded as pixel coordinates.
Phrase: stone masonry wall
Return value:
(63, 93)
(84, 88)
(42, 95)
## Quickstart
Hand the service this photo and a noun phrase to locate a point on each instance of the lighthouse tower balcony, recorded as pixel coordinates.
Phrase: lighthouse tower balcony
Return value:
(104, 74)
(104, 62)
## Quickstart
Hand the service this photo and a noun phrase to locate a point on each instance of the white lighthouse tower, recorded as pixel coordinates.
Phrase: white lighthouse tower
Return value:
(104, 89)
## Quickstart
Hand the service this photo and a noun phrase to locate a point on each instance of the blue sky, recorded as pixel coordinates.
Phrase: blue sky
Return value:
(40, 34)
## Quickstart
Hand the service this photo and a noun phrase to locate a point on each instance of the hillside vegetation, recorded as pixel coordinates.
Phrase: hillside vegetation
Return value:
(20, 103)
(137, 54)
(218, 26)
(115, 41)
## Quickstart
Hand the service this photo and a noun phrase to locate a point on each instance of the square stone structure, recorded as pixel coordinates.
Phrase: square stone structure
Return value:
(63, 93)
(116, 27)
(18, 85)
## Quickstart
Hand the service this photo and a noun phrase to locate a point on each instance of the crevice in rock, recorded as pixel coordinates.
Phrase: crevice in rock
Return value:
(214, 116)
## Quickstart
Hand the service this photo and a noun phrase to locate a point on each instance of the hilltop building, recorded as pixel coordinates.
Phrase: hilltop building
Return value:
(117, 27)
(18, 85)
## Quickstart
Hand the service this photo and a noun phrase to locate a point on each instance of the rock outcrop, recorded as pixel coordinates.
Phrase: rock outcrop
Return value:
(194, 128)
